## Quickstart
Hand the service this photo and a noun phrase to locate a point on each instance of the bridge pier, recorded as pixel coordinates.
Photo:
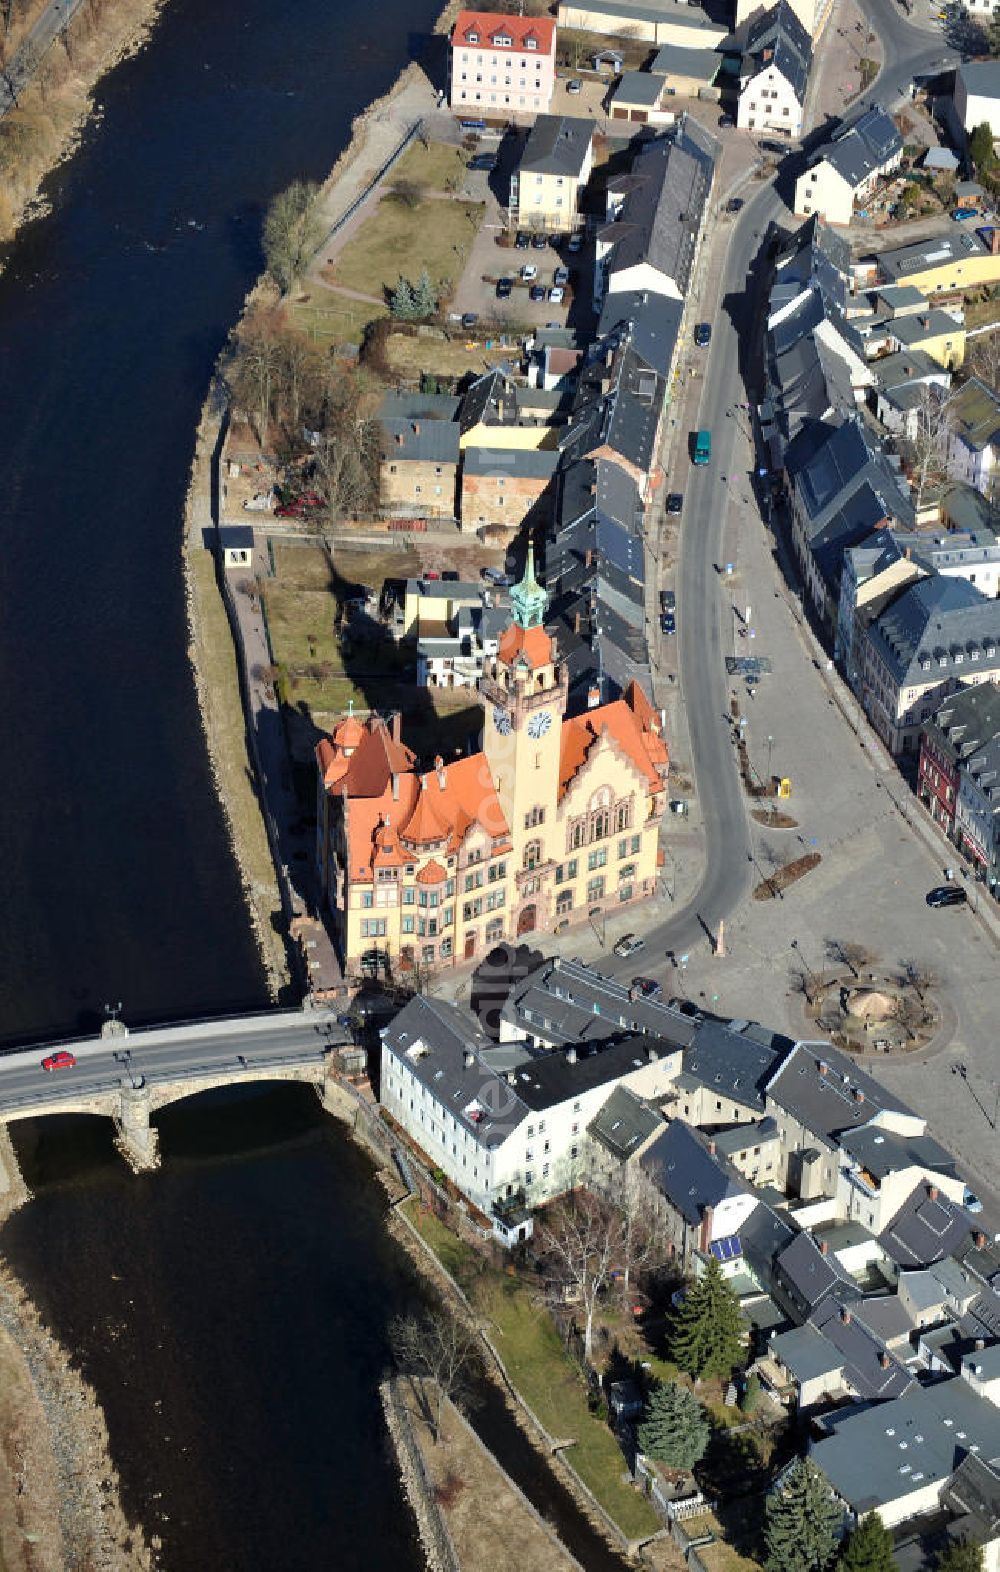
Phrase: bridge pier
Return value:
(135, 1137)
(13, 1190)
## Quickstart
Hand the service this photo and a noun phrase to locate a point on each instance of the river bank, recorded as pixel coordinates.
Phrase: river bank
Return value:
(52, 113)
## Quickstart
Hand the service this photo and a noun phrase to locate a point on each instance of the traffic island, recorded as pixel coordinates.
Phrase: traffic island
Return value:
(775, 884)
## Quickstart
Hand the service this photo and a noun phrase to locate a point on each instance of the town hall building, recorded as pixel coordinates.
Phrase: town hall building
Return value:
(557, 818)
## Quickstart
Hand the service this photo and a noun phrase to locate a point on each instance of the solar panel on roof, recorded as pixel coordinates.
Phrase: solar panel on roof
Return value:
(728, 1249)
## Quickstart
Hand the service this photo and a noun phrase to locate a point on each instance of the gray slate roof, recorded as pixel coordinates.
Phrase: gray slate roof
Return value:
(623, 1124)
(652, 320)
(924, 1230)
(422, 441)
(557, 145)
(942, 624)
(569, 1002)
(826, 1102)
(981, 78)
(519, 463)
(778, 38)
(700, 65)
(829, 476)
(665, 197)
(680, 1165)
(732, 1065)
(805, 1277)
(638, 87)
(883, 1152)
(865, 146)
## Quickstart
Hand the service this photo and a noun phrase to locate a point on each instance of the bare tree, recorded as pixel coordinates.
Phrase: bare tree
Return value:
(805, 983)
(582, 1239)
(435, 1346)
(929, 444)
(641, 1235)
(983, 357)
(848, 952)
(910, 1013)
(347, 466)
(254, 376)
(408, 193)
(292, 233)
(919, 976)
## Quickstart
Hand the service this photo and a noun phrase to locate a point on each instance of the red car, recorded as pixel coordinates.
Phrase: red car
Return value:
(63, 1060)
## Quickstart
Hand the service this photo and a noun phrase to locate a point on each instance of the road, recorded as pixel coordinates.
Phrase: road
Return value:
(57, 15)
(203, 1049)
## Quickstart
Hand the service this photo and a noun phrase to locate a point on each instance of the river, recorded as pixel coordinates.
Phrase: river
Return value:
(231, 1309)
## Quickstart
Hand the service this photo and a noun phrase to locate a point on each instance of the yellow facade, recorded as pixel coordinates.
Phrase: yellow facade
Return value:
(958, 273)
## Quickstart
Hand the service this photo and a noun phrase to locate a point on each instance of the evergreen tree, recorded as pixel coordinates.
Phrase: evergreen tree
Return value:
(993, 33)
(750, 1396)
(675, 1429)
(707, 1334)
(424, 298)
(981, 148)
(401, 301)
(964, 1556)
(868, 1548)
(802, 1519)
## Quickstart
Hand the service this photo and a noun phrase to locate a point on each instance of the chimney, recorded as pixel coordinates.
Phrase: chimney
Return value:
(651, 1054)
(395, 786)
(908, 553)
(439, 770)
(593, 698)
(925, 322)
(576, 622)
(884, 1360)
(395, 726)
(571, 1055)
(416, 428)
(979, 1239)
(823, 1067)
(859, 1095)
(932, 1192)
(469, 1058)
(588, 561)
(845, 1316)
(824, 1247)
(399, 439)
(980, 1344)
(711, 1148)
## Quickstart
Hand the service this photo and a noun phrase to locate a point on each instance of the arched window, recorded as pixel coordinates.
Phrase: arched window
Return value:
(532, 854)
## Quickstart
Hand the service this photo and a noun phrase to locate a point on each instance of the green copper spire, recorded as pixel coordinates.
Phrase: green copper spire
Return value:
(528, 598)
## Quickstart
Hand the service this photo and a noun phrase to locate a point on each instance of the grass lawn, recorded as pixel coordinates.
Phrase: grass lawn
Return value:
(533, 1354)
(409, 355)
(431, 166)
(979, 312)
(720, 1557)
(327, 318)
(436, 234)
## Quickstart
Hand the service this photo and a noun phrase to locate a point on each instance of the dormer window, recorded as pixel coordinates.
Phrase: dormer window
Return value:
(925, 665)
(530, 42)
(502, 41)
(472, 37)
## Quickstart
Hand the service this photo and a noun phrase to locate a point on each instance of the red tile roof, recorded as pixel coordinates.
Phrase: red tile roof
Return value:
(530, 644)
(633, 726)
(517, 28)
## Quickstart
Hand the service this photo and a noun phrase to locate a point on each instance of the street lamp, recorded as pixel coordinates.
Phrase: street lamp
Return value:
(770, 745)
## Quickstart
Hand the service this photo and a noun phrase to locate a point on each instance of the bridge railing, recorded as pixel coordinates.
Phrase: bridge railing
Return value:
(229, 1069)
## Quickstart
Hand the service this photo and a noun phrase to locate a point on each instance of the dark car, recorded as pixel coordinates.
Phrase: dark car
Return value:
(536, 292)
(667, 623)
(725, 121)
(469, 319)
(774, 147)
(504, 288)
(734, 205)
(947, 895)
(522, 241)
(486, 162)
(648, 987)
(675, 502)
(702, 334)
(668, 600)
(539, 242)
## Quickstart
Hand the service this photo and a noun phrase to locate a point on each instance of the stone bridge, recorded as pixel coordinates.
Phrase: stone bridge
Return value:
(127, 1076)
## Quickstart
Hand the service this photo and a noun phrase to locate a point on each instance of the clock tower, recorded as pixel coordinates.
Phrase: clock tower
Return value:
(524, 699)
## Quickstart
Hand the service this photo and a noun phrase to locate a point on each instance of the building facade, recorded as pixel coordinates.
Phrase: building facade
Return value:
(501, 65)
(551, 174)
(554, 819)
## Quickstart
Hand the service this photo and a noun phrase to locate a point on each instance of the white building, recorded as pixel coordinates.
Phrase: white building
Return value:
(501, 65)
(775, 73)
(845, 171)
(973, 420)
(504, 1120)
(977, 89)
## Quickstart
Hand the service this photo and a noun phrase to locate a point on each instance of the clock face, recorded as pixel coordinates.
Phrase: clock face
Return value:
(501, 720)
(539, 724)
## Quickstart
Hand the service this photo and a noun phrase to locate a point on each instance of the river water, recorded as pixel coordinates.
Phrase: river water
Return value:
(231, 1309)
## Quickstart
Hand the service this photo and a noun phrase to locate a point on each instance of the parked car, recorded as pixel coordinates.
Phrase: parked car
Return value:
(62, 1059)
(947, 895)
(496, 576)
(536, 292)
(504, 288)
(574, 243)
(469, 318)
(575, 86)
(522, 241)
(668, 600)
(450, 576)
(556, 295)
(629, 944)
(725, 122)
(561, 275)
(539, 242)
(775, 147)
(668, 624)
(960, 214)
(734, 204)
(702, 334)
(648, 987)
(486, 162)
(675, 502)
(971, 1201)
(528, 272)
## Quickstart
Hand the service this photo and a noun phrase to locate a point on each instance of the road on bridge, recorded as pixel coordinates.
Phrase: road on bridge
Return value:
(172, 1053)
